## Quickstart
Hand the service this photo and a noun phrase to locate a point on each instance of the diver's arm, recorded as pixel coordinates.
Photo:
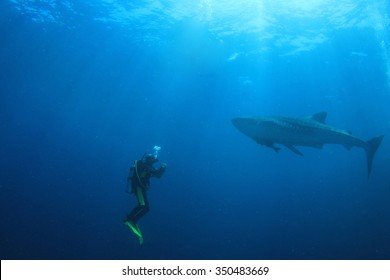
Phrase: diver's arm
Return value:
(159, 172)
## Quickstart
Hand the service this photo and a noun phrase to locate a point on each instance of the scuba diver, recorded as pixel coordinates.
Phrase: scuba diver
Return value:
(139, 180)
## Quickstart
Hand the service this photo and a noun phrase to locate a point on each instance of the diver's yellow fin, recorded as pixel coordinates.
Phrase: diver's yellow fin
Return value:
(136, 230)
(140, 237)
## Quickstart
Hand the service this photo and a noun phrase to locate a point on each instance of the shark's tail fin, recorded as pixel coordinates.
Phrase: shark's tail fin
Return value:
(372, 146)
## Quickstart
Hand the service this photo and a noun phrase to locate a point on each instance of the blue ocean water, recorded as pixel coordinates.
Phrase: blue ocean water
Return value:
(87, 88)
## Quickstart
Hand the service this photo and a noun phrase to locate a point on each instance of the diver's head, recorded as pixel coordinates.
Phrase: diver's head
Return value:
(150, 159)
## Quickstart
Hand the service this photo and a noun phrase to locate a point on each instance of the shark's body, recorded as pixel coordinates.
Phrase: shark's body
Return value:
(311, 132)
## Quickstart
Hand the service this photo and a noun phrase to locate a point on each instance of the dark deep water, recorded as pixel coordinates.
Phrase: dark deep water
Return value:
(87, 89)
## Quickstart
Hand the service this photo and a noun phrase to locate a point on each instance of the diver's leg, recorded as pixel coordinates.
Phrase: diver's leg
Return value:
(138, 212)
(134, 213)
(143, 204)
(137, 190)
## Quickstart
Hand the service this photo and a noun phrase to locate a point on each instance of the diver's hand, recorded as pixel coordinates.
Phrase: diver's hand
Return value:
(163, 165)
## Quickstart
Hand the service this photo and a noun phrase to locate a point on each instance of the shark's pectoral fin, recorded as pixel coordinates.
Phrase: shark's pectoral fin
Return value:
(348, 147)
(267, 144)
(295, 150)
(317, 146)
(276, 149)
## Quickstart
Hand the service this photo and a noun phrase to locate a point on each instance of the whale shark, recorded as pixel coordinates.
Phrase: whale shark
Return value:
(309, 131)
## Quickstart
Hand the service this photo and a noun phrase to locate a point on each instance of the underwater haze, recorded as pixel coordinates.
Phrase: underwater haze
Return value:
(87, 87)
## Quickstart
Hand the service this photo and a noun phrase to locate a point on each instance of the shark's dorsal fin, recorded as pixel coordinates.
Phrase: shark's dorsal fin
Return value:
(320, 117)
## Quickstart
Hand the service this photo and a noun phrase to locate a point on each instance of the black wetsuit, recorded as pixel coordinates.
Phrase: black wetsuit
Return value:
(141, 173)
